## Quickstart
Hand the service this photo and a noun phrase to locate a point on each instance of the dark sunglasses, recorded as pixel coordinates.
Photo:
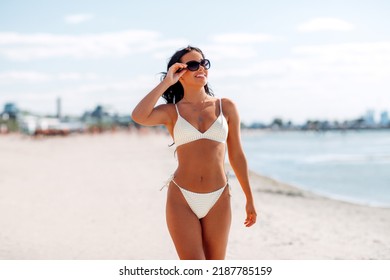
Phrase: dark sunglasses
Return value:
(194, 65)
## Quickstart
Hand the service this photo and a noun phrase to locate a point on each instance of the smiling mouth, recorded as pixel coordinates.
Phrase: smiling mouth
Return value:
(200, 76)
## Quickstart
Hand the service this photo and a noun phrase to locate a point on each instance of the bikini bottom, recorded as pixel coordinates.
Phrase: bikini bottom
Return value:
(201, 203)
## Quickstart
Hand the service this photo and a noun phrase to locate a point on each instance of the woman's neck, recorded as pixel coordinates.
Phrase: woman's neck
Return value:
(195, 96)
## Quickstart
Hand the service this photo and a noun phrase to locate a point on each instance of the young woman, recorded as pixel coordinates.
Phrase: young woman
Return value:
(198, 209)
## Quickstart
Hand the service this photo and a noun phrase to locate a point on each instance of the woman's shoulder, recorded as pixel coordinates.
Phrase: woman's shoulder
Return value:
(226, 100)
(229, 109)
(166, 107)
(228, 104)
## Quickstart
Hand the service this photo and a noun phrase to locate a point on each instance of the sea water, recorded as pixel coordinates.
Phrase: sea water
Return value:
(352, 165)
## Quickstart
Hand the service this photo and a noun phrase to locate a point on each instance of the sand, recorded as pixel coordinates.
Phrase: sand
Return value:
(98, 197)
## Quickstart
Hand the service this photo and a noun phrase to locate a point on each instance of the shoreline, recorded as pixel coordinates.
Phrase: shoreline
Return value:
(97, 197)
(296, 190)
(353, 189)
(317, 222)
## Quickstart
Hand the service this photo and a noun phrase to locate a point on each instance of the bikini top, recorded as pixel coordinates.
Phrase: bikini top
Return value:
(184, 132)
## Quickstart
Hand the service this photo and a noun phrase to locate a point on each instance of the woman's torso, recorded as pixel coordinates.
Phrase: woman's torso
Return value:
(202, 146)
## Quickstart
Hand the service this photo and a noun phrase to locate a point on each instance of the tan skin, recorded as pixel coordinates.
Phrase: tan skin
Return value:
(200, 163)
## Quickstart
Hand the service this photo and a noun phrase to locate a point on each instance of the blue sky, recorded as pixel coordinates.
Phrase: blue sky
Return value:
(296, 60)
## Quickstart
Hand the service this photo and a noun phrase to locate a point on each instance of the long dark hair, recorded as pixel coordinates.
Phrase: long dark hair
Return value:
(176, 92)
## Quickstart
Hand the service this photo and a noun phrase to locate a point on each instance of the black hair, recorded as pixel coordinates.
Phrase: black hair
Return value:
(176, 92)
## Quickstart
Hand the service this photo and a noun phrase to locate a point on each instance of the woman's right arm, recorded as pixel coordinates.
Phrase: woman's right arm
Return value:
(145, 112)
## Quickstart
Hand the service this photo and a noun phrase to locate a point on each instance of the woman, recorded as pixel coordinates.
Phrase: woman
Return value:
(198, 201)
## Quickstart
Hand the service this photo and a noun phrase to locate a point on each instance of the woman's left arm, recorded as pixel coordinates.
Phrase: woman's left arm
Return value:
(237, 158)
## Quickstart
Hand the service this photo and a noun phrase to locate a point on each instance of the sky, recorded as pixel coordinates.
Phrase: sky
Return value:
(295, 60)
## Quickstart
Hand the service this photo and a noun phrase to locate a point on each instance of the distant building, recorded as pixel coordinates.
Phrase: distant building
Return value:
(59, 108)
(103, 111)
(384, 120)
(369, 118)
(10, 111)
(102, 117)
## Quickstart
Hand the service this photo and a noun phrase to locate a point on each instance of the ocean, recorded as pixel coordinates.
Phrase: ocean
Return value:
(352, 166)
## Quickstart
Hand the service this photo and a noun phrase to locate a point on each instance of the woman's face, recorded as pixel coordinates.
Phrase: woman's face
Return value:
(194, 78)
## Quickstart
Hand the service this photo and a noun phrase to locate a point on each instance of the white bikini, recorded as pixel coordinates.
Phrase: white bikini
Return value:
(184, 132)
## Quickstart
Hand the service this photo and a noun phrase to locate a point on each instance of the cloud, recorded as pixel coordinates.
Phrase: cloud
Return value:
(18, 77)
(330, 81)
(371, 58)
(243, 38)
(364, 59)
(24, 76)
(78, 18)
(341, 50)
(236, 45)
(325, 24)
(24, 47)
(77, 98)
(226, 51)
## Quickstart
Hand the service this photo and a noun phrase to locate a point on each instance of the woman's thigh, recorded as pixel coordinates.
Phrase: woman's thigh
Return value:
(216, 227)
(184, 227)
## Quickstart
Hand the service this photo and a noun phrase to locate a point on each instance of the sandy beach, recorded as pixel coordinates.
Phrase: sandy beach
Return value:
(98, 197)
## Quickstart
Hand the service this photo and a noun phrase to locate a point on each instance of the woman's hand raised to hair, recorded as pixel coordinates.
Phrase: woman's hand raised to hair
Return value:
(145, 112)
(175, 72)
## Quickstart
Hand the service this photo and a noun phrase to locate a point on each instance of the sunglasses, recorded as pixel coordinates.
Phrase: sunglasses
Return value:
(194, 65)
